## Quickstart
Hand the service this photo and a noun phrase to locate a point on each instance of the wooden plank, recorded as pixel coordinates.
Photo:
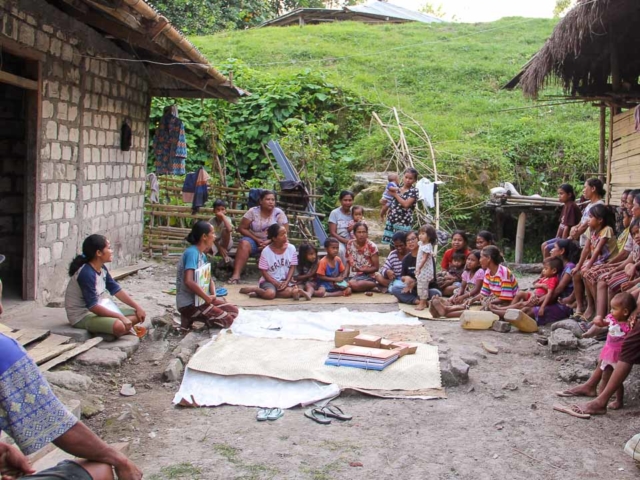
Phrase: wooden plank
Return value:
(30, 335)
(5, 329)
(89, 344)
(53, 353)
(120, 273)
(20, 50)
(15, 80)
(41, 350)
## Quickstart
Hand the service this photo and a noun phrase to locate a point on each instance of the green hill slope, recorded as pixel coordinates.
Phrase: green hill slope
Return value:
(448, 77)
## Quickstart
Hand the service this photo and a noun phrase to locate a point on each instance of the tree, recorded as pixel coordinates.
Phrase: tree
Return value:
(435, 11)
(562, 6)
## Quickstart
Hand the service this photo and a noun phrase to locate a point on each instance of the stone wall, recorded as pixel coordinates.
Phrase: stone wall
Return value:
(87, 184)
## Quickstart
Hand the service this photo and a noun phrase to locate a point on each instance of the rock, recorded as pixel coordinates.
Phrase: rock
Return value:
(69, 380)
(159, 350)
(370, 196)
(570, 325)
(90, 405)
(500, 326)
(589, 362)
(460, 369)
(510, 386)
(447, 376)
(583, 374)
(163, 321)
(469, 360)
(561, 339)
(567, 373)
(471, 389)
(78, 335)
(173, 372)
(127, 390)
(127, 344)
(585, 343)
(187, 347)
(97, 357)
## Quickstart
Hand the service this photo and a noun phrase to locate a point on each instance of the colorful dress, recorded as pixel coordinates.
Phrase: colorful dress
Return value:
(400, 219)
(503, 285)
(426, 272)
(610, 353)
(361, 257)
(170, 145)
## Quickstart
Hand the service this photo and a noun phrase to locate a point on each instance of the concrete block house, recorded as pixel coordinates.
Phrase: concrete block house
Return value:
(71, 73)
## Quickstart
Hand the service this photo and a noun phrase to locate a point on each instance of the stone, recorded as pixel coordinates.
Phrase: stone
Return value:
(370, 196)
(447, 375)
(127, 344)
(78, 335)
(510, 386)
(570, 325)
(460, 369)
(127, 390)
(74, 382)
(165, 320)
(158, 350)
(90, 404)
(500, 326)
(561, 339)
(469, 360)
(187, 347)
(98, 357)
(589, 362)
(173, 372)
(584, 343)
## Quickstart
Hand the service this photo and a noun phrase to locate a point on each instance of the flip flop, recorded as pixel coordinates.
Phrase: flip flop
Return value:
(573, 410)
(317, 416)
(334, 412)
(221, 292)
(566, 393)
(233, 281)
(275, 414)
(263, 414)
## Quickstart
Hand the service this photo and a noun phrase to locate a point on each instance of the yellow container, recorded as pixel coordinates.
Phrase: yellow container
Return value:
(477, 320)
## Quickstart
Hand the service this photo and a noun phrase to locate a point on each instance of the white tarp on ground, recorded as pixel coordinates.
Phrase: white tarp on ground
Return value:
(206, 389)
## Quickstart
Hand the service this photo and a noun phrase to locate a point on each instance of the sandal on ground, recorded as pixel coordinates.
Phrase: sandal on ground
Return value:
(263, 414)
(316, 415)
(566, 393)
(573, 410)
(334, 412)
(221, 292)
(275, 414)
(233, 281)
(578, 317)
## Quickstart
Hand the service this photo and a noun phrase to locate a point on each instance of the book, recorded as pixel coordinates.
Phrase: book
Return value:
(366, 352)
(344, 362)
(356, 356)
(202, 276)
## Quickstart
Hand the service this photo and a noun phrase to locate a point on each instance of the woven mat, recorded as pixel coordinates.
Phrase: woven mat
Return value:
(242, 300)
(294, 360)
(396, 333)
(426, 314)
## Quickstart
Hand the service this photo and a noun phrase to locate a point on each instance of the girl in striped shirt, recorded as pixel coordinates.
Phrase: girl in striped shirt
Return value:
(499, 286)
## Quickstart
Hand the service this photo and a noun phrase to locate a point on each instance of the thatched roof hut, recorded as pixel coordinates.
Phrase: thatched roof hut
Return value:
(592, 53)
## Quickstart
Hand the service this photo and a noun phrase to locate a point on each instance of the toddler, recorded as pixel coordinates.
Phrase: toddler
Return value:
(392, 186)
(331, 272)
(622, 306)
(451, 279)
(307, 268)
(357, 212)
(547, 283)
(424, 263)
(222, 227)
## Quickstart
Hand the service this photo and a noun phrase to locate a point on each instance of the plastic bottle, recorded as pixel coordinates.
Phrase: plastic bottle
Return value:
(477, 320)
(632, 448)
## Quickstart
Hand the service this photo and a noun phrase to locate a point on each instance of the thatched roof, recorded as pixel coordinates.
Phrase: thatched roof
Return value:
(140, 30)
(593, 53)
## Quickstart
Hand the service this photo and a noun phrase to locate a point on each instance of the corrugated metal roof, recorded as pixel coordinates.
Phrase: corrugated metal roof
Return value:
(388, 10)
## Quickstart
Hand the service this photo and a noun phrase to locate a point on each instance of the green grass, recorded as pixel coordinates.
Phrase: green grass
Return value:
(448, 77)
(180, 471)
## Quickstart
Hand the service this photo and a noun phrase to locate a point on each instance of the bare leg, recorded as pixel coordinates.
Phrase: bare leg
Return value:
(448, 291)
(591, 305)
(242, 255)
(320, 292)
(266, 294)
(361, 285)
(602, 299)
(222, 246)
(618, 403)
(98, 471)
(599, 404)
(590, 387)
(578, 290)
(339, 293)
(422, 304)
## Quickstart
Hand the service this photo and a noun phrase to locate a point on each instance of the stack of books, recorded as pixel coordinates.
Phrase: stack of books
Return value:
(362, 357)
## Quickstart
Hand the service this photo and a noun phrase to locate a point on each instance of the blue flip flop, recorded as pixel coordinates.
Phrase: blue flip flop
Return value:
(263, 414)
(275, 414)
(221, 292)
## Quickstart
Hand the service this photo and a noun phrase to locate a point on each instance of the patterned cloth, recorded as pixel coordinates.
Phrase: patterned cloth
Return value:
(29, 411)
(503, 285)
(400, 219)
(259, 224)
(609, 249)
(170, 145)
(392, 263)
(426, 273)
(610, 353)
(361, 257)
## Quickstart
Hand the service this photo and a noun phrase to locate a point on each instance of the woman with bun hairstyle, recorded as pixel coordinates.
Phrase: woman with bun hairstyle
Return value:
(212, 310)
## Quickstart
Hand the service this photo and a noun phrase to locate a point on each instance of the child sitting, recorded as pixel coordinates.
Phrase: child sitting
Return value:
(331, 272)
(307, 268)
(451, 279)
(618, 321)
(424, 263)
(472, 279)
(357, 212)
(385, 201)
(222, 227)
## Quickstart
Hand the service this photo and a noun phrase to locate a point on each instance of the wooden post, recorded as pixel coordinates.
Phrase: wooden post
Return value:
(603, 131)
(522, 220)
(612, 112)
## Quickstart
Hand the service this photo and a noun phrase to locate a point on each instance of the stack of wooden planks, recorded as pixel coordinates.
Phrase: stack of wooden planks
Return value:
(48, 349)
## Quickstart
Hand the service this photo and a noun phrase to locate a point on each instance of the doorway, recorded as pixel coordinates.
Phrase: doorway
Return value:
(19, 95)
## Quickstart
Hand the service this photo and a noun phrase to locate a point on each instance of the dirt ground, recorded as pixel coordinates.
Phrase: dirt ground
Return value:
(481, 431)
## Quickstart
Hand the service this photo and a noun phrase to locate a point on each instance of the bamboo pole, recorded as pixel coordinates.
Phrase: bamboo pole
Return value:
(609, 160)
(520, 231)
(603, 128)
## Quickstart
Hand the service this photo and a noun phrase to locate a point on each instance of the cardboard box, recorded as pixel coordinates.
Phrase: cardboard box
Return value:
(386, 344)
(345, 336)
(367, 341)
(410, 347)
(402, 351)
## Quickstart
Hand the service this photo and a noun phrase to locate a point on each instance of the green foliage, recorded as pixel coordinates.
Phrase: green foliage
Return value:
(562, 6)
(446, 76)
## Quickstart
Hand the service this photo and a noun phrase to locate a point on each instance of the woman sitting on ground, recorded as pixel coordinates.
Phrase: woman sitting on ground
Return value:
(363, 260)
(484, 238)
(406, 291)
(277, 264)
(392, 268)
(459, 243)
(194, 300)
(90, 279)
(253, 228)
(569, 217)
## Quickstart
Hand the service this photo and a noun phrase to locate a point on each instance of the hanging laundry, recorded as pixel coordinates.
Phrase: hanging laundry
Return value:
(154, 186)
(189, 187)
(426, 192)
(201, 191)
(169, 144)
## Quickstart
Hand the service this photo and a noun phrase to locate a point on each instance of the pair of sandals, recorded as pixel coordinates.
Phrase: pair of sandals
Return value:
(324, 415)
(270, 414)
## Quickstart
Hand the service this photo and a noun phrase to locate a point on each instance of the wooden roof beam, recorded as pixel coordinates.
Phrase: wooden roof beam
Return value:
(206, 86)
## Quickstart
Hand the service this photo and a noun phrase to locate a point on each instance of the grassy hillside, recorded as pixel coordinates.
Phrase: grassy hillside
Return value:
(447, 76)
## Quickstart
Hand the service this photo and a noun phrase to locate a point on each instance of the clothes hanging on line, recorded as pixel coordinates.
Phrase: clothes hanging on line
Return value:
(154, 186)
(201, 194)
(427, 192)
(189, 187)
(169, 144)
